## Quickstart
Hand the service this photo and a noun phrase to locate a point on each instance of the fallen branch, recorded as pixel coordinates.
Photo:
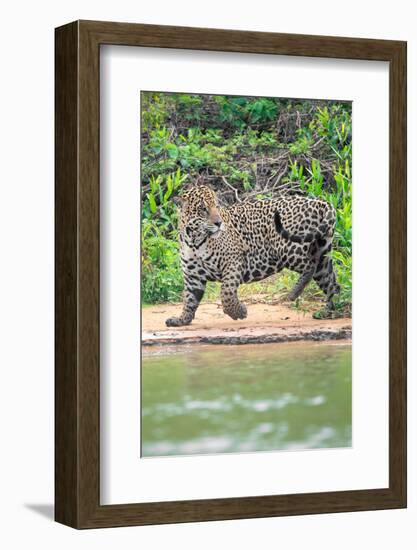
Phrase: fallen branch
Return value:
(233, 188)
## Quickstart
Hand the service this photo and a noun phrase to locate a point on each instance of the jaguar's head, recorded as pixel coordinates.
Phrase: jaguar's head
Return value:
(200, 217)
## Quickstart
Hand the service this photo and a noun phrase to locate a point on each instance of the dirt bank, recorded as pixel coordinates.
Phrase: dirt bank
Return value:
(265, 323)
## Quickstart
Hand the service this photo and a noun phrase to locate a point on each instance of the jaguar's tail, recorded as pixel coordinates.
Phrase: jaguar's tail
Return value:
(321, 232)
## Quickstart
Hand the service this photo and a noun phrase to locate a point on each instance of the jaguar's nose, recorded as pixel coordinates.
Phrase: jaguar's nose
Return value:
(218, 223)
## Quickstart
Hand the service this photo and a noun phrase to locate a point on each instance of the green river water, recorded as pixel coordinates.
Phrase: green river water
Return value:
(224, 399)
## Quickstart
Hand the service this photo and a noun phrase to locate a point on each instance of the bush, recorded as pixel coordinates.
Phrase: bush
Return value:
(161, 269)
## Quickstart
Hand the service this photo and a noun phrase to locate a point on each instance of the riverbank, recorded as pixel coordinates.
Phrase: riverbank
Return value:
(265, 324)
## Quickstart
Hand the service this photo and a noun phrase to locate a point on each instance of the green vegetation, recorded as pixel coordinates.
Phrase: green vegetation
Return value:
(243, 147)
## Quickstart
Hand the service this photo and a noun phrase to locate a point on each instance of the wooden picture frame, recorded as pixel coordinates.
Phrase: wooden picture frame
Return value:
(77, 382)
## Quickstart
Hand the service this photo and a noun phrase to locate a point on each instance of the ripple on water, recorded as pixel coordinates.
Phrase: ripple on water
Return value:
(222, 399)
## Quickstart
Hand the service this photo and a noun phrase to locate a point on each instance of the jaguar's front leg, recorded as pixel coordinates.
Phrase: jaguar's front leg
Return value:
(193, 292)
(230, 301)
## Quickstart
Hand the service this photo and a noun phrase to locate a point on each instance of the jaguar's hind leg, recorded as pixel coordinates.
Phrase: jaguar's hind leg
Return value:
(302, 282)
(326, 280)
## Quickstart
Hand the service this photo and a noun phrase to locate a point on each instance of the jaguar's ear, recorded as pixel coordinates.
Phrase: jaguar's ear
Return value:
(179, 200)
(200, 180)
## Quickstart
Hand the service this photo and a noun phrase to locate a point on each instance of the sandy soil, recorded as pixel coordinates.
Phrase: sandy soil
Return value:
(265, 323)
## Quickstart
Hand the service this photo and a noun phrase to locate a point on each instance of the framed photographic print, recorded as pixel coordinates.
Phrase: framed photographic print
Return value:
(230, 274)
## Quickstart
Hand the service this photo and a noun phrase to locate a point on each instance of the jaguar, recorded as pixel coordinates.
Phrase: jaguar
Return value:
(249, 241)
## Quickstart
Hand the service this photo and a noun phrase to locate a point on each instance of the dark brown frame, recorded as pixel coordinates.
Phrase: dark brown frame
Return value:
(77, 371)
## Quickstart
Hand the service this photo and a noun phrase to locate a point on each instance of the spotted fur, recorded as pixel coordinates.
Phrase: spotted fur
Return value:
(250, 241)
